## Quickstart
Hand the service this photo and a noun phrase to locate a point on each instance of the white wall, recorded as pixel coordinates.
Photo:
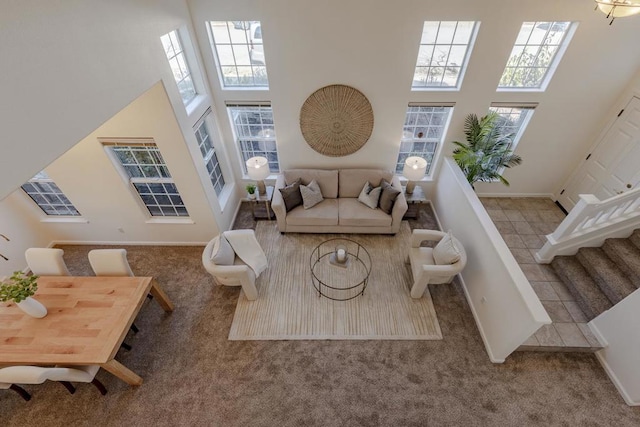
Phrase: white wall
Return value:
(21, 226)
(372, 45)
(617, 328)
(505, 307)
(89, 179)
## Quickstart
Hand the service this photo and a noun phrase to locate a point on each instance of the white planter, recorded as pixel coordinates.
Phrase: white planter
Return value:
(251, 196)
(32, 307)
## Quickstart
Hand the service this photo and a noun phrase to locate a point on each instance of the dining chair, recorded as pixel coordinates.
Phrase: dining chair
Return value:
(13, 375)
(46, 261)
(112, 262)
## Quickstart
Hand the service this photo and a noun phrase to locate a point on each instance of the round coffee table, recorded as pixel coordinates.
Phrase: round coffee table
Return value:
(340, 281)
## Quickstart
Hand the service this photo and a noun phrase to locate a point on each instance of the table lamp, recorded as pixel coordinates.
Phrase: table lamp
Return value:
(414, 169)
(258, 169)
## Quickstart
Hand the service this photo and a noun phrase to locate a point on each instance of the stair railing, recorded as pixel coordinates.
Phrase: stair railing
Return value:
(590, 222)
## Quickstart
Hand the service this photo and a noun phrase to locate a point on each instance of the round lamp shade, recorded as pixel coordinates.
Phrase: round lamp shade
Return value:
(619, 8)
(258, 168)
(414, 168)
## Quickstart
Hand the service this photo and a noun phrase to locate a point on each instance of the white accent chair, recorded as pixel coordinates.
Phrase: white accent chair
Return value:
(112, 262)
(13, 375)
(238, 274)
(46, 262)
(424, 269)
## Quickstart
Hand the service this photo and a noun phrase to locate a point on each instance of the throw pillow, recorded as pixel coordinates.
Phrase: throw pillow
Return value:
(291, 195)
(369, 195)
(446, 251)
(388, 197)
(222, 253)
(311, 194)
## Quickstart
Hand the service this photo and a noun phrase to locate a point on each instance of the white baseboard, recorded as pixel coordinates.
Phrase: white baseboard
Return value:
(538, 195)
(123, 243)
(600, 354)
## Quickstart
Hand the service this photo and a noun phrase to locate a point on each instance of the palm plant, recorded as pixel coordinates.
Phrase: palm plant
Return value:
(487, 150)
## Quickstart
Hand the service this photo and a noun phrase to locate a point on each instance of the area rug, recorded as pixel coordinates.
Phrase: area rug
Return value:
(289, 307)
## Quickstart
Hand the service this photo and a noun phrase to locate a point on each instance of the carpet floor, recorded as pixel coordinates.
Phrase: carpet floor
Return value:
(289, 307)
(194, 376)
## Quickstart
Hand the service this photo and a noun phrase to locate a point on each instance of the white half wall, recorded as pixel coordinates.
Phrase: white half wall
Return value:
(505, 307)
(617, 329)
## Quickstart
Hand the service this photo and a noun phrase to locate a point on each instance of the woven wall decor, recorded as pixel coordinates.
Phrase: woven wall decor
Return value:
(336, 120)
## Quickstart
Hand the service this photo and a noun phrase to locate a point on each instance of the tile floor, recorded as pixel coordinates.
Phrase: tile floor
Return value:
(523, 223)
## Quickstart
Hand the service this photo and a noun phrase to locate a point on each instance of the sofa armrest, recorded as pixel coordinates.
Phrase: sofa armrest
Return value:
(399, 207)
(277, 204)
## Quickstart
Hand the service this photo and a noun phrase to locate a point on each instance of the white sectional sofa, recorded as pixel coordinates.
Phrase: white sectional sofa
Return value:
(340, 211)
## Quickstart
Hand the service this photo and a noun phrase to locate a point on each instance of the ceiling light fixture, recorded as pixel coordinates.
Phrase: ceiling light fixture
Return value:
(618, 8)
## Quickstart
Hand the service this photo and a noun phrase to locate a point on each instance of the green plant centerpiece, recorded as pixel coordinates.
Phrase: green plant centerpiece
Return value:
(19, 287)
(251, 189)
(487, 150)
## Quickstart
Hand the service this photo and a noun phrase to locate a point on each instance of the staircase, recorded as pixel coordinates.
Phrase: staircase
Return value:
(599, 278)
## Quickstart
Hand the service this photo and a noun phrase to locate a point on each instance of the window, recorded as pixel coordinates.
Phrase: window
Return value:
(178, 62)
(535, 55)
(150, 176)
(423, 133)
(209, 154)
(254, 132)
(48, 196)
(237, 47)
(513, 120)
(443, 55)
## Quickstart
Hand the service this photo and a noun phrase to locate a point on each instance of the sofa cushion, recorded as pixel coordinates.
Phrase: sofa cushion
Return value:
(352, 180)
(324, 213)
(326, 179)
(388, 197)
(311, 194)
(370, 196)
(291, 195)
(354, 213)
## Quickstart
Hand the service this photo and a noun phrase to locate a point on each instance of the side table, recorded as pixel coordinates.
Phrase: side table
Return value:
(261, 205)
(414, 200)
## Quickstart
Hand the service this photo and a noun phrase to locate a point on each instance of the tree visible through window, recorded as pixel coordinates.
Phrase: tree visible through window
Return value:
(443, 55)
(178, 62)
(255, 133)
(534, 55)
(423, 132)
(48, 196)
(150, 177)
(209, 155)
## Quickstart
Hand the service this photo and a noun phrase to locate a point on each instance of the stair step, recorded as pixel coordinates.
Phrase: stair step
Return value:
(587, 294)
(635, 238)
(605, 273)
(626, 255)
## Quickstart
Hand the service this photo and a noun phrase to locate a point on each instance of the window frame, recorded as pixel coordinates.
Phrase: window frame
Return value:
(185, 60)
(131, 181)
(462, 67)
(234, 49)
(553, 63)
(210, 154)
(413, 140)
(36, 182)
(240, 140)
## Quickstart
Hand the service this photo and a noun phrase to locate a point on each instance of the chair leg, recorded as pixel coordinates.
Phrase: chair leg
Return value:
(22, 392)
(68, 386)
(134, 328)
(99, 386)
(125, 346)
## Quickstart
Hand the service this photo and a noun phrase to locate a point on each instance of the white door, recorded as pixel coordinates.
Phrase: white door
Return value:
(614, 165)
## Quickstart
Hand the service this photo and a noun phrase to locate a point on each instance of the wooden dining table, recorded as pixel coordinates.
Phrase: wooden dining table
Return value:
(87, 320)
